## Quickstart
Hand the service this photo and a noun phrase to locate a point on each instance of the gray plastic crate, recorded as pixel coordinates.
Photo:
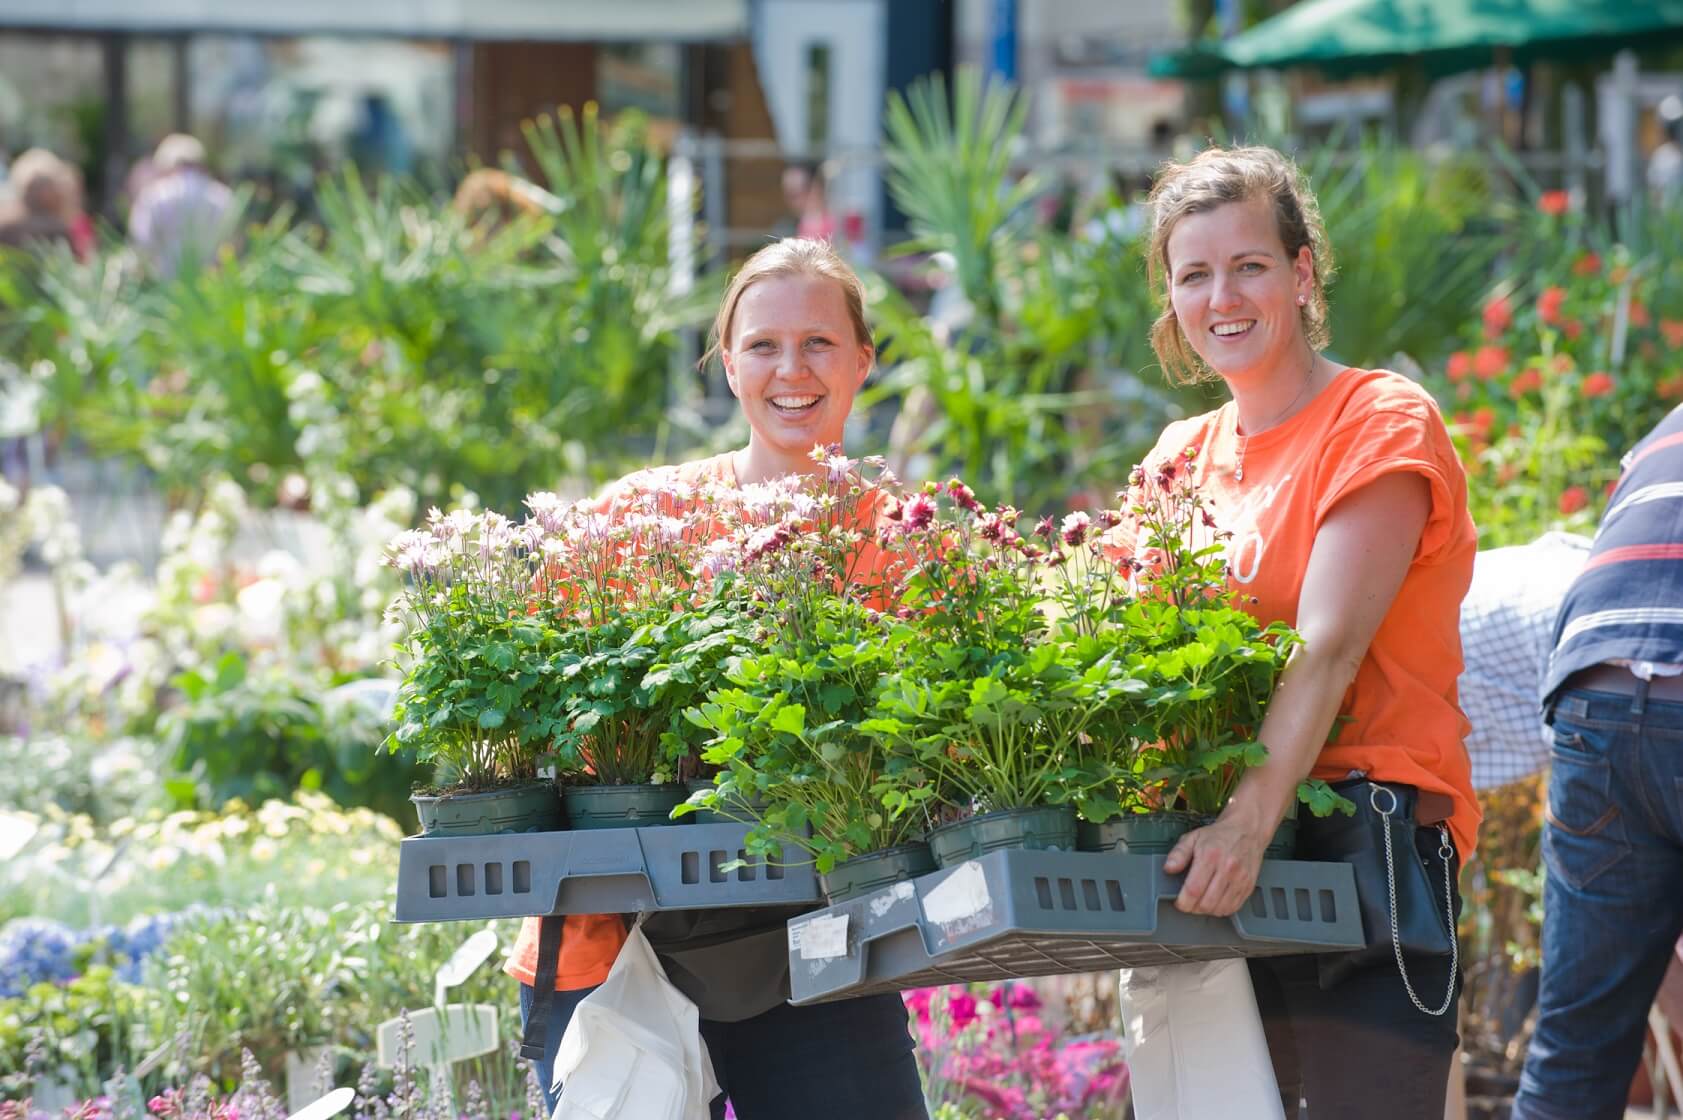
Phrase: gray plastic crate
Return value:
(1022, 913)
(597, 871)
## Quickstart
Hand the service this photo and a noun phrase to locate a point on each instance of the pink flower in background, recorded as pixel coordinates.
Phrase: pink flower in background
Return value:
(919, 511)
(992, 1048)
(962, 1010)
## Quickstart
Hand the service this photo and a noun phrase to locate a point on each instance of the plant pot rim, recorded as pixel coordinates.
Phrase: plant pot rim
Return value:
(996, 814)
(1156, 815)
(905, 848)
(621, 787)
(495, 791)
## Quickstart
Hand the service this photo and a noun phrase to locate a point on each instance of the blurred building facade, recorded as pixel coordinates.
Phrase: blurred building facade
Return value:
(281, 92)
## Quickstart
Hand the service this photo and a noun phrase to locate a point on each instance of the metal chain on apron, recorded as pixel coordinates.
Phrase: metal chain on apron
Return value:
(1445, 851)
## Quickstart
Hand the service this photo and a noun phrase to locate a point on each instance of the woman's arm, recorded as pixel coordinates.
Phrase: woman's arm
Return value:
(1356, 565)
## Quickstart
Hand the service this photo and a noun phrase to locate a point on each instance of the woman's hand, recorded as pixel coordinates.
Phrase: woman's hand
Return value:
(1221, 861)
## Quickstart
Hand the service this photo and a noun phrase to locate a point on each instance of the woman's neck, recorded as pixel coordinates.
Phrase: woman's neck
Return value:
(759, 463)
(1272, 400)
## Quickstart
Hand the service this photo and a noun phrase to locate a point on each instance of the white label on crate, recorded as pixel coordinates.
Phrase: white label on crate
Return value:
(963, 894)
(820, 939)
(884, 901)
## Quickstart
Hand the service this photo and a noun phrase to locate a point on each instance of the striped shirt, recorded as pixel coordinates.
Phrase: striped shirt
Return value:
(1627, 605)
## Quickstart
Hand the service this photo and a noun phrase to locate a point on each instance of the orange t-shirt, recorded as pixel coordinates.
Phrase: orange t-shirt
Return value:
(1403, 722)
(590, 942)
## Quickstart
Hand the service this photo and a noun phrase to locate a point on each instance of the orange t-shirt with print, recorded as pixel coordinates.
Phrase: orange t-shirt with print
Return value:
(590, 942)
(1401, 722)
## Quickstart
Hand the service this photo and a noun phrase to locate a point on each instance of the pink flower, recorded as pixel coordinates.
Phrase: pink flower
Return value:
(1045, 527)
(1075, 528)
(1023, 998)
(919, 511)
(962, 495)
(961, 1010)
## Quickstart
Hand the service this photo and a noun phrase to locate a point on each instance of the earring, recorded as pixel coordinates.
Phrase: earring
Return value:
(1302, 301)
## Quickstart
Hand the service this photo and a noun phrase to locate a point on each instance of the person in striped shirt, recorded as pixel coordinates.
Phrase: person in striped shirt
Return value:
(1613, 833)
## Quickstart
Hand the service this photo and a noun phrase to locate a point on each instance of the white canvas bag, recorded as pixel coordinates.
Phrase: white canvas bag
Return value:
(633, 1050)
(1195, 1045)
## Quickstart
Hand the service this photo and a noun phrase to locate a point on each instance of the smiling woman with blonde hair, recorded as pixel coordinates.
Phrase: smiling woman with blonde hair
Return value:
(1343, 509)
(792, 336)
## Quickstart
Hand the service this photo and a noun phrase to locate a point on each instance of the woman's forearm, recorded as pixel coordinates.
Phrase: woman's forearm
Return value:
(1300, 715)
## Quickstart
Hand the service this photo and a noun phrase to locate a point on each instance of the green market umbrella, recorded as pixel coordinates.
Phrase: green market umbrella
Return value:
(1345, 37)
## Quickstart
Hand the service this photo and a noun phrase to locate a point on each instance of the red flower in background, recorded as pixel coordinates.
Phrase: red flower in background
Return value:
(1554, 203)
(1639, 313)
(1490, 362)
(1460, 365)
(1548, 304)
(1479, 423)
(1573, 329)
(1587, 265)
(1598, 384)
(1498, 316)
(1573, 499)
(1529, 381)
(1670, 389)
(1672, 329)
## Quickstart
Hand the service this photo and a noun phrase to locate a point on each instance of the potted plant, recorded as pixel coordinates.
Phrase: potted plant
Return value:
(474, 659)
(999, 709)
(1209, 669)
(644, 630)
(785, 725)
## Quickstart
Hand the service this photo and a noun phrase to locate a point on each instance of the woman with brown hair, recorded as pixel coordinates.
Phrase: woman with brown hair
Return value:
(792, 335)
(1343, 509)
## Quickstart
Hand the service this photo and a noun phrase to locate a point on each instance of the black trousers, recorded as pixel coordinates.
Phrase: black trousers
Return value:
(1359, 1050)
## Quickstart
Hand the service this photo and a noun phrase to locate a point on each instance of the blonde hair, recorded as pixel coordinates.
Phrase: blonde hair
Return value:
(1216, 177)
(791, 256)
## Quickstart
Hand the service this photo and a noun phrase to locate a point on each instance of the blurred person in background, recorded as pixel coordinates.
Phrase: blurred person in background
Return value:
(490, 199)
(814, 220)
(1665, 163)
(40, 203)
(183, 212)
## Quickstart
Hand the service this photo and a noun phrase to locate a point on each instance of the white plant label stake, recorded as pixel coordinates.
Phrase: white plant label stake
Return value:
(445, 1034)
(326, 1107)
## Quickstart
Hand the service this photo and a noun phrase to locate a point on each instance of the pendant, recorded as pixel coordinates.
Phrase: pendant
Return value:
(1239, 473)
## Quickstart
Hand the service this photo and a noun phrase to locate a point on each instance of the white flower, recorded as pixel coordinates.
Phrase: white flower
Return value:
(262, 606)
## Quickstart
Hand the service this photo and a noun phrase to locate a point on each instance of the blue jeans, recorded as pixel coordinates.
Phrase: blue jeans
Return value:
(1613, 901)
(832, 1061)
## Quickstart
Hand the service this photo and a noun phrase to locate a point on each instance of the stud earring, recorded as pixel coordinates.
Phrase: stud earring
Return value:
(1302, 301)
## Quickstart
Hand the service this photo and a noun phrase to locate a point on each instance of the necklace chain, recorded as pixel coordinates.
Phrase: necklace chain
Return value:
(1245, 440)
